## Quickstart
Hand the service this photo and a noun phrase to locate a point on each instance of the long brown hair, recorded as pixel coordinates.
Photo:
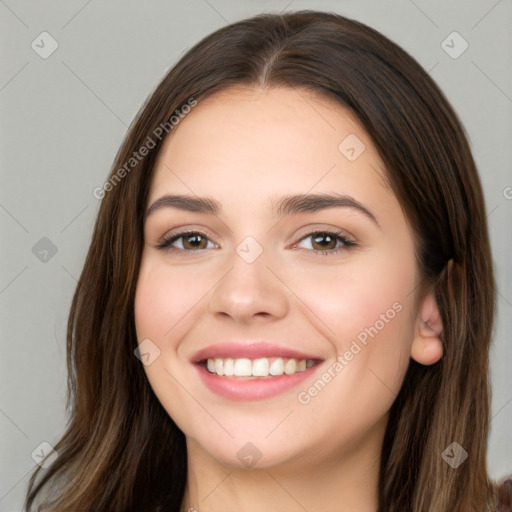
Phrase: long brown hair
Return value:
(121, 451)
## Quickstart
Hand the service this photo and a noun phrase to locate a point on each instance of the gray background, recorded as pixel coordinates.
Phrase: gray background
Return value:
(64, 117)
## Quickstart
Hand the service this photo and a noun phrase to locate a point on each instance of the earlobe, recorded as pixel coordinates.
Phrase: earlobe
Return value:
(427, 347)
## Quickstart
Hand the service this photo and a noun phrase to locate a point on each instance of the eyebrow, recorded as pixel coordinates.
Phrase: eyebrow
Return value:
(285, 206)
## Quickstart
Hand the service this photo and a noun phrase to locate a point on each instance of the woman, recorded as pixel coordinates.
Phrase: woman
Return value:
(293, 243)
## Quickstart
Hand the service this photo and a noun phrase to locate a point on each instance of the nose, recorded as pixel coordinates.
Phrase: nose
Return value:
(249, 292)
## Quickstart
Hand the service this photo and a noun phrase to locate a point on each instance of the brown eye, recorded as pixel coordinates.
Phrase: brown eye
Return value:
(186, 242)
(194, 241)
(325, 241)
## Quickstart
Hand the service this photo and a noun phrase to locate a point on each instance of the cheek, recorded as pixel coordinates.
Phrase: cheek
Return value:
(165, 300)
(369, 297)
(164, 297)
(371, 346)
(366, 310)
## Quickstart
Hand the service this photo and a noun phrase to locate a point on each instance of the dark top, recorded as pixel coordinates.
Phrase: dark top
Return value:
(502, 500)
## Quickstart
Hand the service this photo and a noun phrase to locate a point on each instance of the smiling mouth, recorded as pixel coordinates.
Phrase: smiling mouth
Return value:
(257, 368)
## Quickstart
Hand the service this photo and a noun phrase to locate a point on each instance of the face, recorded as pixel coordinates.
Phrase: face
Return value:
(308, 304)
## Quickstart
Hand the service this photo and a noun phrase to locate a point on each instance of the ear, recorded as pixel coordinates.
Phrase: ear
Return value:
(427, 347)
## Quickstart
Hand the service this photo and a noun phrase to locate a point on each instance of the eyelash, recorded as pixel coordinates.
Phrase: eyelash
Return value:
(165, 242)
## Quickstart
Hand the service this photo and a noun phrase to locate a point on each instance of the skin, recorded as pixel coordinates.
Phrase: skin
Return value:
(245, 147)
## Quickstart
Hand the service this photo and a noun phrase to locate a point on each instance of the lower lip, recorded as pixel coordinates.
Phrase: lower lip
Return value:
(254, 389)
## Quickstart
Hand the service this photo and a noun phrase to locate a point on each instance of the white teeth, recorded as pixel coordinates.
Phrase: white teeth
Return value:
(290, 366)
(228, 367)
(261, 367)
(219, 366)
(243, 368)
(277, 366)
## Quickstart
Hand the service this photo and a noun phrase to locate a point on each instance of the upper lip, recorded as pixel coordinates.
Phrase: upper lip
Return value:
(249, 350)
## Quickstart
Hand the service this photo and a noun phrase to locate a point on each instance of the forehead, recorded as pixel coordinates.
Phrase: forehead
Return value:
(281, 139)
